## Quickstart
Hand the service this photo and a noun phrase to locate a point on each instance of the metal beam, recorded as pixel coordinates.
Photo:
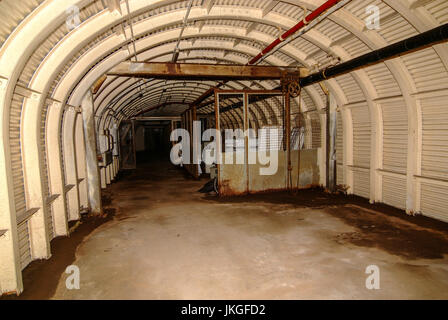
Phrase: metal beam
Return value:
(186, 71)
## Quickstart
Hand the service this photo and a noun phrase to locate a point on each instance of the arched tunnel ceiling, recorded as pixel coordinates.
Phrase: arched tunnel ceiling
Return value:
(63, 63)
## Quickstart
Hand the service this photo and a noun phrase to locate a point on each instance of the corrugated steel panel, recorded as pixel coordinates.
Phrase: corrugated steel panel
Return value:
(438, 9)
(361, 136)
(434, 201)
(24, 244)
(361, 150)
(395, 135)
(358, 8)
(339, 150)
(361, 183)
(316, 130)
(18, 180)
(435, 137)
(351, 88)
(16, 154)
(426, 69)
(394, 191)
(355, 47)
(17, 11)
(395, 28)
(383, 80)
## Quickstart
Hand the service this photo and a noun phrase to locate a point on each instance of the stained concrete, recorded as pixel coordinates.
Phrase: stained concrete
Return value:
(166, 241)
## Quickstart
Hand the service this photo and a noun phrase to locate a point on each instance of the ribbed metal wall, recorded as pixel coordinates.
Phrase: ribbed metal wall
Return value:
(395, 147)
(434, 199)
(339, 150)
(394, 191)
(17, 176)
(361, 150)
(24, 244)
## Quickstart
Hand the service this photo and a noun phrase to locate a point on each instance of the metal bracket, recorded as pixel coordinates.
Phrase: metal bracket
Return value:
(290, 84)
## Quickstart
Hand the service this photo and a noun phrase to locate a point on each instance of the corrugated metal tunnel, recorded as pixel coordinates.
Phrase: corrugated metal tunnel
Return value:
(91, 91)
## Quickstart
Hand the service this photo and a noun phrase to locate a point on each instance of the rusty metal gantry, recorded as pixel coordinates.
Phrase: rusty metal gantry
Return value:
(289, 78)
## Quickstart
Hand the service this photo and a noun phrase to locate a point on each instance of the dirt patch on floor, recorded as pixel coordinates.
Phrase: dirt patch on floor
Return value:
(394, 235)
(378, 225)
(41, 277)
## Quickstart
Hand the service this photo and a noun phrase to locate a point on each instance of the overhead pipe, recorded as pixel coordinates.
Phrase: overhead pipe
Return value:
(308, 26)
(412, 44)
(313, 15)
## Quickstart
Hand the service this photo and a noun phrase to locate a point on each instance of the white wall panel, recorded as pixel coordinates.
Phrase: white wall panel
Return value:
(394, 191)
(434, 201)
(434, 165)
(361, 150)
(339, 150)
(395, 135)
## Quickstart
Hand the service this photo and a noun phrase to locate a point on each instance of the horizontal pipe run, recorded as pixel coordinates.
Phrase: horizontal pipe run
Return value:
(419, 42)
(313, 15)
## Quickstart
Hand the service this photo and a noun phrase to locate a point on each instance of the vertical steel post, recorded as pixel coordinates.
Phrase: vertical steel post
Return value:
(330, 145)
(195, 140)
(246, 139)
(327, 141)
(287, 124)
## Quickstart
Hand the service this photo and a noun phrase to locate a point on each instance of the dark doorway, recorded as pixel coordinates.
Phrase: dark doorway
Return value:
(152, 140)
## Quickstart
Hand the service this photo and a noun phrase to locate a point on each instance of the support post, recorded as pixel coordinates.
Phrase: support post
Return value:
(34, 173)
(288, 140)
(10, 269)
(331, 143)
(93, 172)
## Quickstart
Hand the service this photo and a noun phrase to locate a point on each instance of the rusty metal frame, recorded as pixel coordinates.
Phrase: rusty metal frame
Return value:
(246, 94)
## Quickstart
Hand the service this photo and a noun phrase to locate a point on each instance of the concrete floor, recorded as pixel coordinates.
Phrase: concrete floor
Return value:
(166, 241)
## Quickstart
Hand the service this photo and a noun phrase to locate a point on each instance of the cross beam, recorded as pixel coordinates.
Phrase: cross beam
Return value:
(190, 71)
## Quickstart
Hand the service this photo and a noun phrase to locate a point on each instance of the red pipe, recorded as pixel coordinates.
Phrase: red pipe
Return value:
(313, 15)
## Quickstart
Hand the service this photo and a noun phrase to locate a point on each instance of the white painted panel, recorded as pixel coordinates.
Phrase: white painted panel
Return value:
(351, 88)
(361, 136)
(434, 198)
(435, 137)
(316, 130)
(427, 70)
(434, 201)
(361, 183)
(383, 80)
(24, 244)
(395, 135)
(394, 191)
(361, 151)
(16, 154)
(339, 150)
(439, 10)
